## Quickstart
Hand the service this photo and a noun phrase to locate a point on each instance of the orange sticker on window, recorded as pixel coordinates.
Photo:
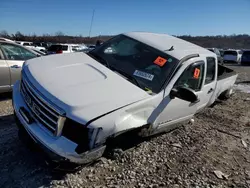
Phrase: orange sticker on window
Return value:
(160, 61)
(196, 73)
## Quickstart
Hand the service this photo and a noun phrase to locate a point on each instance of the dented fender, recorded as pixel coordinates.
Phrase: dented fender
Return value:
(133, 118)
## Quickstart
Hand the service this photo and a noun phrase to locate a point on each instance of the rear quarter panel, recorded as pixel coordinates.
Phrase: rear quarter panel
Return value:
(224, 84)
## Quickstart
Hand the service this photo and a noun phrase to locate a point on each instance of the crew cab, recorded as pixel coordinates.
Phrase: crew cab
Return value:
(71, 104)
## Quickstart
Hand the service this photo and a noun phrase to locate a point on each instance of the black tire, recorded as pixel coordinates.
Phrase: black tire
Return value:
(26, 139)
(226, 94)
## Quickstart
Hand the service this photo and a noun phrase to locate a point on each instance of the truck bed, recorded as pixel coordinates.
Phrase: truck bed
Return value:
(226, 79)
(224, 72)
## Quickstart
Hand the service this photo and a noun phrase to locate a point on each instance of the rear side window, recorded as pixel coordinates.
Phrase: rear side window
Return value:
(230, 53)
(210, 75)
(192, 77)
(217, 52)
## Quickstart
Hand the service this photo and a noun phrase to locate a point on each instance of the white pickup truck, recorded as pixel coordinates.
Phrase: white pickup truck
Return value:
(71, 104)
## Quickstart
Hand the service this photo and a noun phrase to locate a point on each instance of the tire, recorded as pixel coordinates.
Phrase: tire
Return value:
(226, 94)
(26, 139)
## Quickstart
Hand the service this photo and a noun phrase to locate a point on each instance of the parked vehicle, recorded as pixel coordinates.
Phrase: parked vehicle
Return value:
(91, 47)
(12, 57)
(217, 52)
(41, 46)
(24, 43)
(232, 56)
(245, 58)
(39, 52)
(5, 39)
(72, 105)
(221, 53)
(60, 49)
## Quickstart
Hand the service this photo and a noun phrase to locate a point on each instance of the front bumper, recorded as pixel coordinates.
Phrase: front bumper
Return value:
(58, 148)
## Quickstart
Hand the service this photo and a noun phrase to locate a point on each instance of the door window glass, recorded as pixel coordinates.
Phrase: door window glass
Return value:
(192, 77)
(210, 70)
(14, 52)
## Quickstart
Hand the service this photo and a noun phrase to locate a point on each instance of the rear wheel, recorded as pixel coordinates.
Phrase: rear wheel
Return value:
(226, 94)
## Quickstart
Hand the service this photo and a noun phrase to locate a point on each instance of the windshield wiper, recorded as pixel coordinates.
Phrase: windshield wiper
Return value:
(128, 76)
(99, 58)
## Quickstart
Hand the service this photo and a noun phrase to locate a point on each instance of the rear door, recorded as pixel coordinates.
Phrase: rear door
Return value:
(15, 56)
(209, 83)
(4, 74)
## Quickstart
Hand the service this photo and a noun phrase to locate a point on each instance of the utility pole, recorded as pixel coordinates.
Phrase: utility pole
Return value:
(91, 22)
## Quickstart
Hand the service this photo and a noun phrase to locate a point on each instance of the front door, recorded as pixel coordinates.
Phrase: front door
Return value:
(15, 56)
(4, 74)
(177, 110)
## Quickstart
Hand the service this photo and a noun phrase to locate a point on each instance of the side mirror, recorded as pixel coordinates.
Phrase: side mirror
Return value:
(185, 94)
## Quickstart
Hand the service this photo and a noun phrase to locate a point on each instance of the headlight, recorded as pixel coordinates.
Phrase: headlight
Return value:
(83, 136)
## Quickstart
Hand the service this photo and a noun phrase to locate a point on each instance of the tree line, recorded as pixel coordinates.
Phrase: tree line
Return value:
(220, 41)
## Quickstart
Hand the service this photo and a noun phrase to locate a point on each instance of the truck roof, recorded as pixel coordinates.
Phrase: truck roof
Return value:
(164, 42)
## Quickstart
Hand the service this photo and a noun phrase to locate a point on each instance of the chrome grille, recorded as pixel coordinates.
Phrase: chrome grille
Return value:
(47, 115)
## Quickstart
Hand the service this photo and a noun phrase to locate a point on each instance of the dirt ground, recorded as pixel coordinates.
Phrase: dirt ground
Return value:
(218, 142)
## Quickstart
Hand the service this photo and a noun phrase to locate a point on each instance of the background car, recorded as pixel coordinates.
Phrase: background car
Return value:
(12, 57)
(217, 52)
(245, 58)
(60, 48)
(39, 52)
(41, 46)
(232, 56)
(5, 39)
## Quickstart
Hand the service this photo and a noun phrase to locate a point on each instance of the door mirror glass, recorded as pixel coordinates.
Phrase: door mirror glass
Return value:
(184, 93)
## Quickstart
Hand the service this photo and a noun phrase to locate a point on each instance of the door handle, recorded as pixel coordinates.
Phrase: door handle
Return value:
(210, 90)
(15, 66)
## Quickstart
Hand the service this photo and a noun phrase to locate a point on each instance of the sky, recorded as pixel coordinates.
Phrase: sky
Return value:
(175, 17)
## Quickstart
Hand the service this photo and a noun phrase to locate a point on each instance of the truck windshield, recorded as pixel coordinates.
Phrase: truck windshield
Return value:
(145, 66)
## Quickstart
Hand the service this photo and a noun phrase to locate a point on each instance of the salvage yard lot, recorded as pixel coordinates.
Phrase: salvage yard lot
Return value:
(219, 140)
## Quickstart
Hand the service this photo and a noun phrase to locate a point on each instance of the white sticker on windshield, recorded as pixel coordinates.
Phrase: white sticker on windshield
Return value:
(144, 75)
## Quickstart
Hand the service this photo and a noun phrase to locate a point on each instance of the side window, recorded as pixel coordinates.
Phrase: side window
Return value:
(14, 52)
(192, 77)
(217, 52)
(210, 75)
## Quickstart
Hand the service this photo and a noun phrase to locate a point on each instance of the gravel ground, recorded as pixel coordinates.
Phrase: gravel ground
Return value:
(214, 151)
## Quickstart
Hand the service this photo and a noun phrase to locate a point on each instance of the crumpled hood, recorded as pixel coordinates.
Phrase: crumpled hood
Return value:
(80, 85)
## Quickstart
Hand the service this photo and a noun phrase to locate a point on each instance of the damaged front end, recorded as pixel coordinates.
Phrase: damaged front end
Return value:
(85, 137)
